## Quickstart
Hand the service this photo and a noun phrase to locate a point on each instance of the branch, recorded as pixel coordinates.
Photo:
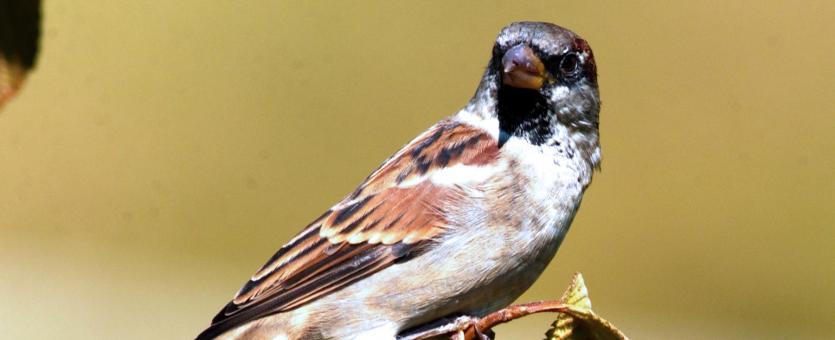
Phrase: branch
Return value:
(509, 314)
(576, 320)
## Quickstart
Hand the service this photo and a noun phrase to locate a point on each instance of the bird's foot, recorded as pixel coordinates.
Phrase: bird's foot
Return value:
(467, 328)
(463, 327)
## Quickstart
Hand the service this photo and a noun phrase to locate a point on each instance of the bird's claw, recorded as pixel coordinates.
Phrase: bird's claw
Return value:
(467, 329)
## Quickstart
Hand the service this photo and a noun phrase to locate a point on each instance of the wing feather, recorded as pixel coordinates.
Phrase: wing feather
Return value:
(383, 222)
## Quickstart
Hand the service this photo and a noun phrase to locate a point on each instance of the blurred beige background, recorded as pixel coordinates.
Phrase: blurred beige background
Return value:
(161, 152)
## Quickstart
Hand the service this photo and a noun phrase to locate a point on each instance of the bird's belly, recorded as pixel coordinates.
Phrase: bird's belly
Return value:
(492, 256)
(477, 269)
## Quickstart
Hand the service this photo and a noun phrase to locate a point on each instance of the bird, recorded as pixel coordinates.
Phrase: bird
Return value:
(461, 221)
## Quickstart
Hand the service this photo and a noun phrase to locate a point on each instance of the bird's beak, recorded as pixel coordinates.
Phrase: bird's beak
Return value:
(522, 68)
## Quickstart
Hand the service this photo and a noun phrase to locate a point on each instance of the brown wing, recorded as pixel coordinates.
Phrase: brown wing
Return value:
(380, 224)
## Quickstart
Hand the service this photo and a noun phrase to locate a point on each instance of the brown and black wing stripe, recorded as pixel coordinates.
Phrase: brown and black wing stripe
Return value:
(446, 144)
(379, 225)
(365, 260)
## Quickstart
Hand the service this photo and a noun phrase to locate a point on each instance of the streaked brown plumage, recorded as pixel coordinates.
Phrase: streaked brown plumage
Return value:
(461, 220)
(362, 225)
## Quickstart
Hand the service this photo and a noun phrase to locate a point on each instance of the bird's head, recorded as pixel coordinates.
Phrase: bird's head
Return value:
(542, 78)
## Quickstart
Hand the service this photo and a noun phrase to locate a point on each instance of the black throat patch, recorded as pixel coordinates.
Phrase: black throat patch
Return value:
(523, 113)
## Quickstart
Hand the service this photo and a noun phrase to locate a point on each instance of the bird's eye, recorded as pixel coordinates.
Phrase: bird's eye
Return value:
(570, 65)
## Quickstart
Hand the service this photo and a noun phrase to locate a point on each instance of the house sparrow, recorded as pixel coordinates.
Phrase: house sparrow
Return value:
(461, 221)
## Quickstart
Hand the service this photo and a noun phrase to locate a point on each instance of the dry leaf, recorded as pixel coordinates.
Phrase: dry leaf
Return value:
(579, 322)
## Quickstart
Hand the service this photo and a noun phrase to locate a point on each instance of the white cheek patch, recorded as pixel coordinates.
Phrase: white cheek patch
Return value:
(559, 93)
(560, 98)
